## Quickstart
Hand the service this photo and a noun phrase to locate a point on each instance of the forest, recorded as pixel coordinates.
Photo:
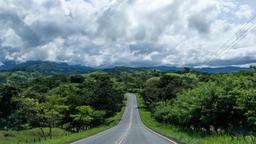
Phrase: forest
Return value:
(211, 103)
(73, 103)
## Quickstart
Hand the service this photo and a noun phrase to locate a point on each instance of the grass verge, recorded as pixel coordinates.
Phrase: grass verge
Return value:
(188, 137)
(60, 136)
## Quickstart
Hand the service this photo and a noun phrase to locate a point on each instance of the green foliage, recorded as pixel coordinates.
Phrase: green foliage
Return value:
(166, 87)
(28, 113)
(83, 118)
(7, 105)
(253, 67)
(17, 77)
(105, 95)
(217, 103)
(74, 103)
(59, 136)
(187, 136)
(225, 102)
(77, 79)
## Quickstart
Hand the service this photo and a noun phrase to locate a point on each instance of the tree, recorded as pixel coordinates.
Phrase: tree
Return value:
(83, 117)
(253, 67)
(77, 79)
(247, 103)
(151, 92)
(187, 69)
(98, 118)
(7, 104)
(227, 103)
(166, 88)
(105, 96)
(30, 113)
(54, 109)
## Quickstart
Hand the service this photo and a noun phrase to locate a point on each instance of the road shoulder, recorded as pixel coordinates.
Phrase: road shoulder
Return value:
(147, 121)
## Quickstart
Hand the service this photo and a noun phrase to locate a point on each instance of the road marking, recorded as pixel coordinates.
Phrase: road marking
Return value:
(163, 137)
(150, 130)
(125, 135)
(104, 133)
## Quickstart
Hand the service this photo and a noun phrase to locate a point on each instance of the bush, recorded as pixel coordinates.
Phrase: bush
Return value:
(226, 104)
(166, 87)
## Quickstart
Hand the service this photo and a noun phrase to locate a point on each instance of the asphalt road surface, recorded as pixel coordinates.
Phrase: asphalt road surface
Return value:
(130, 130)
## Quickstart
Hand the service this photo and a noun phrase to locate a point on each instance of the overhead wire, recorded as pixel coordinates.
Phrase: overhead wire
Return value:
(242, 32)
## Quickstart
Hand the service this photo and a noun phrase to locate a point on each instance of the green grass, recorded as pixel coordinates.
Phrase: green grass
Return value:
(76, 136)
(59, 136)
(188, 137)
(13, 137)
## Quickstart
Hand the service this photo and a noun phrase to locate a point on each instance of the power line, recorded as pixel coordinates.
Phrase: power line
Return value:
(240, 35)
(232, 40)
(238, 40)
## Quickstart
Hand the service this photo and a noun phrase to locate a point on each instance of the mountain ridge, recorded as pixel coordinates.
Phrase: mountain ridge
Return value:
(61, 67)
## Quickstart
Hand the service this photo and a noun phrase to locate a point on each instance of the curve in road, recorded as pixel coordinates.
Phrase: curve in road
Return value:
(130, 130)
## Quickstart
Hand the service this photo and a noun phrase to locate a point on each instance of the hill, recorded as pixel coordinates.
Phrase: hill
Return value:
(45, 67)
(228, 69)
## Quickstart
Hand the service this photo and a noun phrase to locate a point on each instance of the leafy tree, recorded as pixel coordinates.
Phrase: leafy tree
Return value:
(105, 95)
(30, 113)
(83, 118)
(54, 109)
(98, 118)
(227, 103)
(253, 67)
(166, 88)
(246, 102)
(77, 79)
(151, 92)
(7, 104)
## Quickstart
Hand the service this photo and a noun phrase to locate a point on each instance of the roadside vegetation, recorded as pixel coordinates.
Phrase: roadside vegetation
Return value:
(60, 136)
(202, 108)
(187, 136)
(190, 107)
(42, 107)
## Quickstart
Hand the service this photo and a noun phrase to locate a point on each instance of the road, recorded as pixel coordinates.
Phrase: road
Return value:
(130, 130)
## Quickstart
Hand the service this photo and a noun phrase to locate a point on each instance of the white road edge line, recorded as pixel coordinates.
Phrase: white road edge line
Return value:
(163, 137)
(103, 133)
(124, 136)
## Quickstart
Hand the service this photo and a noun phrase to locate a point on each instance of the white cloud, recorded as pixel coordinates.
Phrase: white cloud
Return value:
(10, 39)
(244, 11)
(128, 32)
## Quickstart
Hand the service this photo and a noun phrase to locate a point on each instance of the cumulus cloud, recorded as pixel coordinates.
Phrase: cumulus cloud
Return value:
(244, 11)
(126, 32)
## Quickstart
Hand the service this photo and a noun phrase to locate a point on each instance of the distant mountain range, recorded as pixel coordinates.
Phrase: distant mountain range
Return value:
(227, 69)
(55, 68)
(45, 67)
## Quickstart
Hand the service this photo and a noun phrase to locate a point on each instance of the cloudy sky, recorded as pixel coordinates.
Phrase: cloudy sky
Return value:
(129, 32)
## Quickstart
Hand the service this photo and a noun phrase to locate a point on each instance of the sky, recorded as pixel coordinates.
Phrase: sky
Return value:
(106, 33)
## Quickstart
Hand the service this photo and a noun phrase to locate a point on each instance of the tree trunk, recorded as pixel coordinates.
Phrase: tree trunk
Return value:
(42, 131)
(50, 132)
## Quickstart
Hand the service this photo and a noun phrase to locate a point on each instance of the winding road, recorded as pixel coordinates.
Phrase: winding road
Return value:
(130, 130)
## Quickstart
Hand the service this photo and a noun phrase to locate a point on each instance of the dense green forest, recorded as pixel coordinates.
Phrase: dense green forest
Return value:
(73, 103)
(211, 103)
